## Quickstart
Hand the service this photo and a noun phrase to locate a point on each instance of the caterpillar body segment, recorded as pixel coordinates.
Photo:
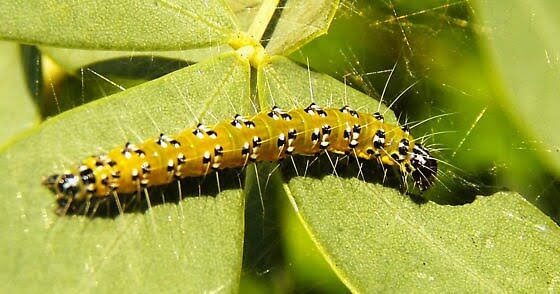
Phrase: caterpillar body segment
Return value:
(267, 136)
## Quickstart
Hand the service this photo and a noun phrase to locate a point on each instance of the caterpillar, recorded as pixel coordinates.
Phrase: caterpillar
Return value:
(267, 136)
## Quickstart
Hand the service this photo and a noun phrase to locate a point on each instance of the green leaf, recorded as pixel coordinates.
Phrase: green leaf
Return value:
(192, 246)
(527, 65)
(309, 266)
(118, 25)
(299, 23)
(377, 239)
(17, 111)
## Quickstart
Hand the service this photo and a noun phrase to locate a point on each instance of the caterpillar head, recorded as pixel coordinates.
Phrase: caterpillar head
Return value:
(424, 167)
(67, 187)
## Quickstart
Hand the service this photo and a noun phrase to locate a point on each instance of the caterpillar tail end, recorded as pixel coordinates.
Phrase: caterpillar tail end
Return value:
(66, 187)
(50, 182)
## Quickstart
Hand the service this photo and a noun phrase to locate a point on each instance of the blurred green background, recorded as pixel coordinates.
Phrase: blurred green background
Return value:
(440, 49)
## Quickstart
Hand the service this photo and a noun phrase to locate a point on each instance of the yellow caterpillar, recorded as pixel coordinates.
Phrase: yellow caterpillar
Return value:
(267, 136)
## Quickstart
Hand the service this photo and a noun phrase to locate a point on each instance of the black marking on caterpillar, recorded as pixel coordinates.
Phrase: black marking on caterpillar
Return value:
(195, 152)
